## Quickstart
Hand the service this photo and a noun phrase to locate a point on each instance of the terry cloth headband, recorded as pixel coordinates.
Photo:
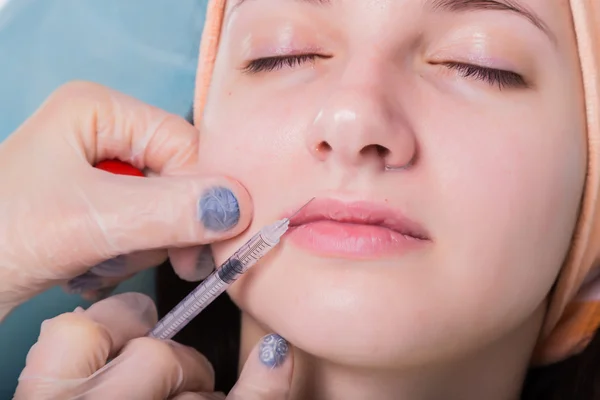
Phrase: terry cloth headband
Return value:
(574, 309)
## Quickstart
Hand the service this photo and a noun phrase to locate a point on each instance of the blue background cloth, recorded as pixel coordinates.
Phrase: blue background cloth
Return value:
(145, 48)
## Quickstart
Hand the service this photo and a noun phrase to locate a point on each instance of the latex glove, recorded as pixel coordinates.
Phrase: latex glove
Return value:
(60, 216)
(68, 360)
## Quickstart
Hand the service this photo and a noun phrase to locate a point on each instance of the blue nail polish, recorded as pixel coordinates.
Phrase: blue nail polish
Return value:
(219, 209)
(84, 282)
(113, 268)
(273, 350)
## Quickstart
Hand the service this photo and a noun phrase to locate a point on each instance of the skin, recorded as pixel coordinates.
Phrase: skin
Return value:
(495, 176)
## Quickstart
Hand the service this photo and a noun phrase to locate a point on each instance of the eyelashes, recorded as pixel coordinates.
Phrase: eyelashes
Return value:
(494, 77)
(269, 64)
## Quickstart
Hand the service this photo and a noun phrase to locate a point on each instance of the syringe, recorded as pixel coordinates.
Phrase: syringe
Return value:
(217, 282)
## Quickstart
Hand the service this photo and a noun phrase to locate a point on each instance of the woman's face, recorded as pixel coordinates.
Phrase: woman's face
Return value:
(444, 143)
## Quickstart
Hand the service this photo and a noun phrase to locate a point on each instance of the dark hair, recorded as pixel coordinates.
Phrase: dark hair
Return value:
(216, 334)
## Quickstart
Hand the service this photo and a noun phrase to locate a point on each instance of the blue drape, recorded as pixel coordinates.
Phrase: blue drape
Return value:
(145, 48)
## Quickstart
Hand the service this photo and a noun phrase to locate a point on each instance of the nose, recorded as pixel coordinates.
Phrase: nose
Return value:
(363, 127)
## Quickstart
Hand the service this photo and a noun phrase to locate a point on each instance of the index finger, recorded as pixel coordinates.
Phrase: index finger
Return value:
(106, 124)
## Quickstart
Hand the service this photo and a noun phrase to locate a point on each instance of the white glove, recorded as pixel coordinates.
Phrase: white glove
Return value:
(60, 216)
(68, 361)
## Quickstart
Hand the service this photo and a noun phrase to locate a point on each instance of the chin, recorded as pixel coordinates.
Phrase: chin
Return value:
(394, 303)
(351, 312)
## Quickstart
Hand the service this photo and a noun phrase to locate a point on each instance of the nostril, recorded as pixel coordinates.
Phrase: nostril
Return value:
(381, 151)
(323, 147)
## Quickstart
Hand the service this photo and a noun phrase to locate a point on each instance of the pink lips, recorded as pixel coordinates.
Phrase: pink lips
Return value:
(354, 230)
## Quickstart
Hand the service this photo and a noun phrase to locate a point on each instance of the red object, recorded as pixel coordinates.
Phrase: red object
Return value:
(119, 168)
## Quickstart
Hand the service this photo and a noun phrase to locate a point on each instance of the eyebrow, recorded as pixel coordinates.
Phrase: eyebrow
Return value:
(462, 6)
(482, 5)
(316, 2)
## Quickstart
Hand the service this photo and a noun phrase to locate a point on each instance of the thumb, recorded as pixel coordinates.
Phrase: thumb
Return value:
(267, 374)
(129, 214)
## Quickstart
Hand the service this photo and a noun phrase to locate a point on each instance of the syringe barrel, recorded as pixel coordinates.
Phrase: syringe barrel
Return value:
(189, 307)
(245, 257)
(217, 282)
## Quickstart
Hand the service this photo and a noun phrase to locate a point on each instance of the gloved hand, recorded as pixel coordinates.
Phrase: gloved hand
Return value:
(60, 216)
(69, 359)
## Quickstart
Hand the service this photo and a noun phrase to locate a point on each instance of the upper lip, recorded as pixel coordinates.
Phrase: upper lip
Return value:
(358, 212)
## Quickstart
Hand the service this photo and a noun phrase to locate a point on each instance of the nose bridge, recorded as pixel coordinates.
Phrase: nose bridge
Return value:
(362, 121)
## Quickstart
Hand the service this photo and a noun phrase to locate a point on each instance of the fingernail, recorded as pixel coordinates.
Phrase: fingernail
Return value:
(219, 209)
(139, 304)
(113, 268)
(273, 350)
(78, 309)
(85, 282)
(205, 264)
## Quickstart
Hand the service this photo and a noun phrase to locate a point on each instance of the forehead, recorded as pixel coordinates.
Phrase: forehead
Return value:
(563, 5)
(546, 14)
(547, 8)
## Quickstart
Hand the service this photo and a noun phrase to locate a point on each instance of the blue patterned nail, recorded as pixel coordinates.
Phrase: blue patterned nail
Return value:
(273, 350)
(219, 209)
(113, 268)
(84, 282)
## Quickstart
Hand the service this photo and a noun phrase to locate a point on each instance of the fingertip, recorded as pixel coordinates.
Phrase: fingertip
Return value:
(274, 351)
(224, 208)
(136, 304)
(125, 316)
(192, 264)
(268, 370)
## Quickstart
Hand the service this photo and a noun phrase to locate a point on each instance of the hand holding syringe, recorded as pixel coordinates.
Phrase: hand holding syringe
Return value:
(217, 282)
(213, 286)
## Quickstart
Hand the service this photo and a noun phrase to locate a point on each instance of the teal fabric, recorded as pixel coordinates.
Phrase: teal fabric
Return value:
(145, 48)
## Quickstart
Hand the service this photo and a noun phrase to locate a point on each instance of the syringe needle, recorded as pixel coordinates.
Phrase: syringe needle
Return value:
(300, 209)
(285, 221)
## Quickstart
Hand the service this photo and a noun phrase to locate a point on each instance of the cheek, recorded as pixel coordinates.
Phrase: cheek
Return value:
(241, 139)
(511, 192)
(259, 140)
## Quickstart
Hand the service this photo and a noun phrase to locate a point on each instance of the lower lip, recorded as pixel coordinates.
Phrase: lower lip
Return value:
(347, 240)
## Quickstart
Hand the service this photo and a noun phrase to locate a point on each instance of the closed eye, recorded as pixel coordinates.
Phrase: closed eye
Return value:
(269, 64)
(494, 77)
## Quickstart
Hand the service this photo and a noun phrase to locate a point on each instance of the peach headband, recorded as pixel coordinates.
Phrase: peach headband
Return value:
(574, 310)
